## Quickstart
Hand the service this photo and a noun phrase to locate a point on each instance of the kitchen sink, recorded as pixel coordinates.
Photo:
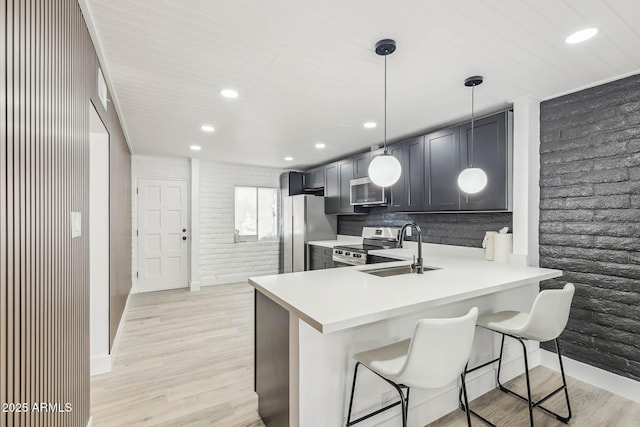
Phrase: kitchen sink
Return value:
(392, 271)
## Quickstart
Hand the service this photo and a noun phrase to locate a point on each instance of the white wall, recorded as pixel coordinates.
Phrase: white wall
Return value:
(222, 260)
(526, 177)
(99, 251)
(151, 167)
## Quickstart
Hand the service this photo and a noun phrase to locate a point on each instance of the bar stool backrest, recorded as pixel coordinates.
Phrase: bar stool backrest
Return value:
(439, 351)
(549, 314)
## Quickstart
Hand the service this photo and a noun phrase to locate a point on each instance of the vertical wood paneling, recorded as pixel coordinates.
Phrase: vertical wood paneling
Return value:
(4, 245)
(47, 81)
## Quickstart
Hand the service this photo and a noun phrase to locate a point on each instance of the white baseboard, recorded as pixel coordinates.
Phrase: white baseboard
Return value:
(116, 340)
(90, 422)
(100, 364)
(600, 378)
(229, 279)
(137, 290)
(194, 286)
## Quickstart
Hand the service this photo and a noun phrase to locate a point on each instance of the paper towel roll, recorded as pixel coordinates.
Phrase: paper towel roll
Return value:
(502, 247)
(487, 244)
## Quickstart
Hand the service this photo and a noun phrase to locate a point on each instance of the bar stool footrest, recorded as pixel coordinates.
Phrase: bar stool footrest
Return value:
(480, 417)
(364, 417)
(537, 404)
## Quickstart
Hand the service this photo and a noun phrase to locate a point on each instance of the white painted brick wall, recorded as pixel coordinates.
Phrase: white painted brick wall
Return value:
(151, 167)
(222, 260)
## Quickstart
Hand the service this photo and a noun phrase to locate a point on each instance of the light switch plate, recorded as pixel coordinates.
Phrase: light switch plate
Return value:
(76, 224)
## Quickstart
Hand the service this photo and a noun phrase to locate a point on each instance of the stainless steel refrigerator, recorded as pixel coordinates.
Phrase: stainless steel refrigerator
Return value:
(302, 220)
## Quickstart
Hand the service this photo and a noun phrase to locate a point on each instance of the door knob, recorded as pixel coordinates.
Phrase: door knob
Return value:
(184, 237)
(184, 230)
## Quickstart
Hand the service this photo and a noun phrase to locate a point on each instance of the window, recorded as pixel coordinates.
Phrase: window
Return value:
(256, 214)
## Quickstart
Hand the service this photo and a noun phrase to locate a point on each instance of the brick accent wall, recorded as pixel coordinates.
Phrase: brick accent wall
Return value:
(222, 260)
(590, 219)
(460, 229)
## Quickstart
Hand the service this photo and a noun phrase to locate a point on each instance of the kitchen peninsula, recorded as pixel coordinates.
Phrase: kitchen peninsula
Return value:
(309, 324)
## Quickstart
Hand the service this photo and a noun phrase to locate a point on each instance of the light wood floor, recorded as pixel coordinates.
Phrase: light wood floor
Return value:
(591, 406)
(186, 359)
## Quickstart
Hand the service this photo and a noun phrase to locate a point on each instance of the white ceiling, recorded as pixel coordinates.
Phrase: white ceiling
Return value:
(306, 70)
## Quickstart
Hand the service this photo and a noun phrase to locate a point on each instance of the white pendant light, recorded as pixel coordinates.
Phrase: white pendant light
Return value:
(472, 180)
(385, 170)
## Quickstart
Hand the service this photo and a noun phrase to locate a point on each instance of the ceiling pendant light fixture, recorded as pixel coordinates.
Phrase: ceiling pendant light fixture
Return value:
(472, 180)
(385, 170)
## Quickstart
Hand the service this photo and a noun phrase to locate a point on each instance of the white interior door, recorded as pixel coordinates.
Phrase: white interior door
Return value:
(162, 234)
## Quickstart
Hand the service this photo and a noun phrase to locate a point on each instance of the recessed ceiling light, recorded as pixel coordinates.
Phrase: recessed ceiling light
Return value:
(196, 148)
(370, 125)
(289, 159)
(207, 128)
(582, 35)
(320, 145)
(229, 93)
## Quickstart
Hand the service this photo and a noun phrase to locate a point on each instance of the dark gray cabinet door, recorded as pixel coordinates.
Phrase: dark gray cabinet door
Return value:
(314, 178)
(345, 175)
(361, 165)
(328, 258)
(331, 189)
(316, 257)
(397, 193)
(488, 152)
(414, 175)
(442, 167)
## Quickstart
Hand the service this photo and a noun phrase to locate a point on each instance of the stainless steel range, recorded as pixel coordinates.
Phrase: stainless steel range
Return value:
(373, 238)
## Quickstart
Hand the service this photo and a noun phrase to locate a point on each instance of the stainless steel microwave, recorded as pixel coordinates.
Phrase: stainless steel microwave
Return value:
(366, 193)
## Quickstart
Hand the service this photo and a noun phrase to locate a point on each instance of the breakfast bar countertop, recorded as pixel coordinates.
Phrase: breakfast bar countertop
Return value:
(340, 298)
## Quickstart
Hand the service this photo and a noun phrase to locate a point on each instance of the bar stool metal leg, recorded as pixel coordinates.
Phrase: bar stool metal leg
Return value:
(538, 404)
(463, 392)
(564, 383)
(404, 400)
(353, 389)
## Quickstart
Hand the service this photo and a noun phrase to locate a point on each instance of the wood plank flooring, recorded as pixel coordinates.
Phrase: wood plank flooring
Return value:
(591, 406)
(186, 359)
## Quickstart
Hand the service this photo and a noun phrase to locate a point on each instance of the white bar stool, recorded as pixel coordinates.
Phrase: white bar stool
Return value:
(547, 320)
(436, 354)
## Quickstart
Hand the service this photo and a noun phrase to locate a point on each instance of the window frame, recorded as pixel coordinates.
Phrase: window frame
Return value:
(243, 238)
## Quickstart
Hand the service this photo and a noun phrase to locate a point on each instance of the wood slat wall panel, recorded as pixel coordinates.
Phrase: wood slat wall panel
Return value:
(48, 79)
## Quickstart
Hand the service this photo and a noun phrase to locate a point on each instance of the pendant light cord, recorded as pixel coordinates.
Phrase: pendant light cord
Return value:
(473, 88)
(385, 104)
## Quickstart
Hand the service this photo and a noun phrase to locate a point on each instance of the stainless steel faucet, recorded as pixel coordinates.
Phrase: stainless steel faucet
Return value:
(417, 264)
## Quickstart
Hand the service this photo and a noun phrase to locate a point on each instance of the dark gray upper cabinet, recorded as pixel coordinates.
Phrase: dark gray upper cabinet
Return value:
(397, 198)
(337, 188)
(430, 168)
(331, 188)
(361, 165)
(442, 167)
(490, 152)
(345, 175)
(314, 178)
(414, 174)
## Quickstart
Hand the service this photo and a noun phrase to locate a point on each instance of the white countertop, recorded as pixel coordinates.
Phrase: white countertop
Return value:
(340, 240)
(341, 298)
